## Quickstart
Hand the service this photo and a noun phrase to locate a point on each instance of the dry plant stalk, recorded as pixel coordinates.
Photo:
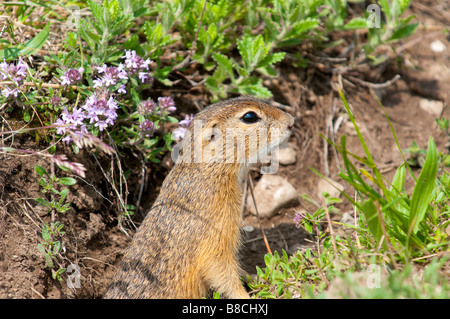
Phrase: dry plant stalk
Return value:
(257, 215)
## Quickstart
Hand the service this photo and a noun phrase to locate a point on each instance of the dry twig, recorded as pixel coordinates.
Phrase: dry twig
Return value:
(257, 215)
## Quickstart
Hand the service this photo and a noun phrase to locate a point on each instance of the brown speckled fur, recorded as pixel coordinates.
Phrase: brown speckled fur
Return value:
(187, 245)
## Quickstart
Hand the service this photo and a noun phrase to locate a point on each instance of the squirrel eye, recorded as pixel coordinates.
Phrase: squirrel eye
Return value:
(250, 117)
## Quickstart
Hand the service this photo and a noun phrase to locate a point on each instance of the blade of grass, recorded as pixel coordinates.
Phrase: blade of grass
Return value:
(371, 214)
(423, 190)
(371, 163)
(12, 53)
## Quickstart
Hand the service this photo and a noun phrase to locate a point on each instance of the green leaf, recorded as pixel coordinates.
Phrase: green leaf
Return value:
(403, 32)
(308, 227)
(356, 23)
(40, 170)
(253, 50)
(26, 115)
(57, 274)
(398, 182)
(48, 260)
(271, 59)
(43, 202)
(373, 219)
(30, 47)
(98, 12)
(41, 248)
(224, 62)
(56, 247)
(385, 6)
(67, 181)
(257, 90)
(45, 233)
(63, 195)
(423, 191)
(172, 119)
(302, 27)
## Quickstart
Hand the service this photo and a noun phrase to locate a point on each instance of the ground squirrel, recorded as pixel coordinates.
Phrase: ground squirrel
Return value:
(187, 245)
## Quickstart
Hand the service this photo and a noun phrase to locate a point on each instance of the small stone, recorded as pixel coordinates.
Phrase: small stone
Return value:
(333, 191)
(271, 194)
(287, 154)
(432, 106)
(248, 228)
(348, 219)
(437, 46)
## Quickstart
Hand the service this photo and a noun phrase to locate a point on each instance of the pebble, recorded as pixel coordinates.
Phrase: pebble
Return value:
(324, 186)
(286, 154)
(437, 46)
(272, 193)
(347, 218)
(432, 106)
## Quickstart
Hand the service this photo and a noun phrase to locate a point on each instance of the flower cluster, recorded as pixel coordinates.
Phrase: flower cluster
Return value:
(297, 219)
(98, 109)
(15, 73)
(72, 76)
(135, 65)
(148, 107)
(181, 130)
(166, 105)
(110, 76)
(147, 128)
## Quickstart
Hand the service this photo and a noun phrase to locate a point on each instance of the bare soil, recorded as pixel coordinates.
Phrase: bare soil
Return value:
(95, 242)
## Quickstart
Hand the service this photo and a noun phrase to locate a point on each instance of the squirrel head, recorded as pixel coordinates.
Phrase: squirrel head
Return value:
(243, 130)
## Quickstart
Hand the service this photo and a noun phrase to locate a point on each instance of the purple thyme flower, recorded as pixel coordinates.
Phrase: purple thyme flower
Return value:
(121, 72)
(102, 69)
(61, 126)
(187, 120)
(167, 104)
(110, 75)
(144, 76)
(17, 73)
(122, 89)
(297, 219)
(181, 130)
(8, 91)
(98, 82)
(67, 139)
(55, 100)
(100, 111)
(146, 107)
(147, 127)
(78, 116)
(134, 62)
(71, 76)
(179, 133)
